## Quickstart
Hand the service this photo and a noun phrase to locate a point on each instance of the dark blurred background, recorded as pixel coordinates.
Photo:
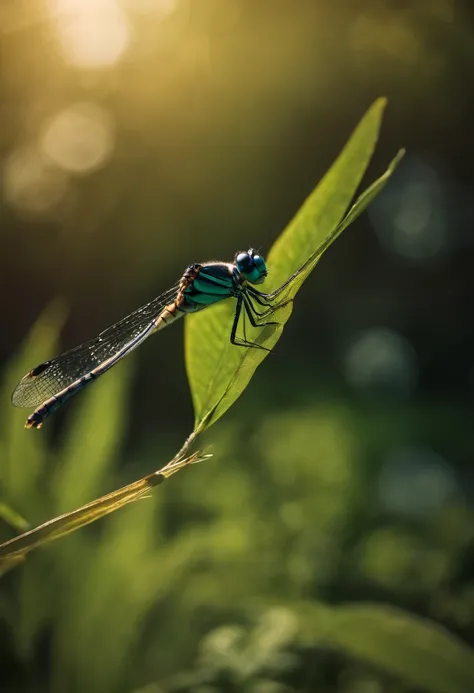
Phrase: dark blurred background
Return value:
(137, 136)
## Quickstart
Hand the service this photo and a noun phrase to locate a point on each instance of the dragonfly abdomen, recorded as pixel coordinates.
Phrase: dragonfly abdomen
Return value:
(35, 420)
(169, 314)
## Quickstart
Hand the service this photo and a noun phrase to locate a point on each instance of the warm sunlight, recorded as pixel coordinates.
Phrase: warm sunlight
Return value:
(92, 33)
(79, 138)
(30, 183)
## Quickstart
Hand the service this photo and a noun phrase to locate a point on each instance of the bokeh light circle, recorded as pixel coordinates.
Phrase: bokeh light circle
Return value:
(80, 138)
(380, 359)
(92, 33)
(32, 184)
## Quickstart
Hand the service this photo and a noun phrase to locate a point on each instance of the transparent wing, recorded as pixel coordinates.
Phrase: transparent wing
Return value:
(51, 377)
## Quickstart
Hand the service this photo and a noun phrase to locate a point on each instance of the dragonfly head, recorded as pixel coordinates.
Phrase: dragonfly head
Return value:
(251, 266)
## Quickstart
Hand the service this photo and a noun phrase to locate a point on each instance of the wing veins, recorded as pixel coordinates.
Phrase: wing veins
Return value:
(73, 364)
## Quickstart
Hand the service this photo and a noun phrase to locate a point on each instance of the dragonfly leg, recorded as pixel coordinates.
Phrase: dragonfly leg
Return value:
(276, 292)
(238, 310)
(258, 296)
(250, 312)
(233, 334)
(263, 301)
(256, 321)
(270, 308)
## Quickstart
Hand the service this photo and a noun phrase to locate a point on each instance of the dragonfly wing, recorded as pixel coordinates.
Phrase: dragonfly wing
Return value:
(53, 376)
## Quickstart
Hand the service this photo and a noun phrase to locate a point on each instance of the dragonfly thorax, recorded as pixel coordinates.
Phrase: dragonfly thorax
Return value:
(251, 266)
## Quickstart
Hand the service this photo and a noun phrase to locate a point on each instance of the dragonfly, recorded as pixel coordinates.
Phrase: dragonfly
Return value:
(50, 384)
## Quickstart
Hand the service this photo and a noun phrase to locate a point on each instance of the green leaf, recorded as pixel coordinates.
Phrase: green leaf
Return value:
(218, 371)
(415, 649)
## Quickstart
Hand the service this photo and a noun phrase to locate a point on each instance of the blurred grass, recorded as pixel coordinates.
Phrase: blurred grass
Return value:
(24, 458)
(184, 589)
(92, 443)
(49, 480)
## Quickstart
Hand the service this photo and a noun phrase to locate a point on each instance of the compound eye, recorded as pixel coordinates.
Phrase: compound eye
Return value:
(259, 270)
(251, 266)
(243, 260)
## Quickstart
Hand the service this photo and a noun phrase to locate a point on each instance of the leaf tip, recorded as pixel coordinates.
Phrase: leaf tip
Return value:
(397, 158)
(380, 103)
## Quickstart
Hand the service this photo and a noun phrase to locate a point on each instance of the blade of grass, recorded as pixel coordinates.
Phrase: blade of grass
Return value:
(20, 482)
(15, 549)
(13, 518)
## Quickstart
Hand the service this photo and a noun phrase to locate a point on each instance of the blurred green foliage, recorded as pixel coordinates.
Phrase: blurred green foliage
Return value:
(236, 585)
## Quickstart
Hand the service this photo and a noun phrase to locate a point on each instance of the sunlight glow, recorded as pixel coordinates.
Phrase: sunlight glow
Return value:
(93, 33)
(79, 138)
(159, 8)
(32, 184)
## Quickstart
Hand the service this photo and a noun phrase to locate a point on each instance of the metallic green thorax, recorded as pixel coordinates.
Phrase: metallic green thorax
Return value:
(215, 281)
